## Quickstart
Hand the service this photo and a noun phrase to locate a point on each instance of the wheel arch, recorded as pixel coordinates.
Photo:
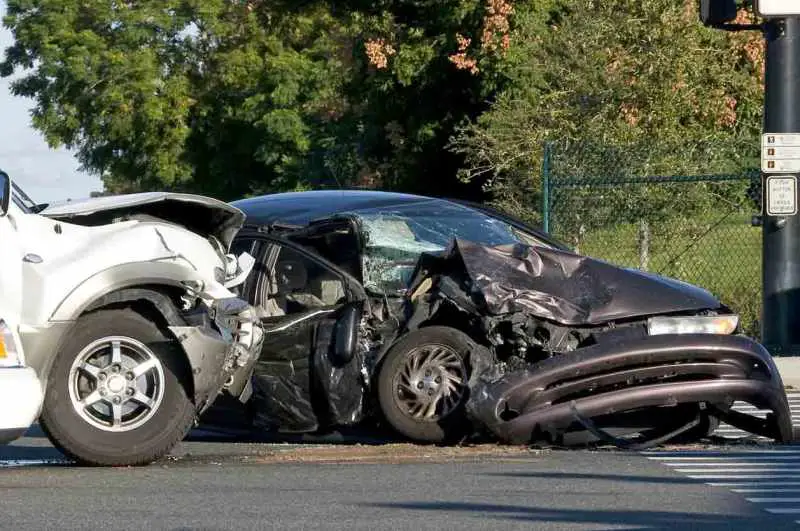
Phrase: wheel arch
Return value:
(152, 287)
(153, 301)
(165, 275)
(157, 303)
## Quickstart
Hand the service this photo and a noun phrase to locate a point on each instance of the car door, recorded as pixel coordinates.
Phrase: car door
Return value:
(11, 264)
(305, 305)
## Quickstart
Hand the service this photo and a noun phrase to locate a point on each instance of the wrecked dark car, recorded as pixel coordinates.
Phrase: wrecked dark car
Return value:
(445, 319)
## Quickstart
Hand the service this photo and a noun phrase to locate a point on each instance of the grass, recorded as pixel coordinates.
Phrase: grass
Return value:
(723, 257)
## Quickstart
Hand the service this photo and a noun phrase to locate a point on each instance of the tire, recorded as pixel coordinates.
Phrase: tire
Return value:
(83, 370)
(397, 378)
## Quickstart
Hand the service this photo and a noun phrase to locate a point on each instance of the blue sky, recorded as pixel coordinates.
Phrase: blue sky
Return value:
(45, 174)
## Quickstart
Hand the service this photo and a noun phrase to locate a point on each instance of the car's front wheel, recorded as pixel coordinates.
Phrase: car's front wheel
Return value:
(116, 394)
(423, 384)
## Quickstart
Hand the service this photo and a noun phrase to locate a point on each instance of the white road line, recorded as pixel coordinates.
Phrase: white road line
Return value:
(764, 491)
(736, 470)
(712, 453)
(755, 484)
(739, 476)
(724, 458)
(789, 464)
(726, 431)
(765, 477)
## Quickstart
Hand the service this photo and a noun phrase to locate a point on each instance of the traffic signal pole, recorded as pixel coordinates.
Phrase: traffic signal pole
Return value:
(780, 162)
(780, 326)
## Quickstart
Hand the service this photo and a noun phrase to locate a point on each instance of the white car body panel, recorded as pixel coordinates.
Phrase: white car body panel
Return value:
(78, 253)
(21, 398)
(74, 254)
(20, 391)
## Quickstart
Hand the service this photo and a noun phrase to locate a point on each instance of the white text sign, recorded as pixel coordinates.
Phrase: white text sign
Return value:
(782, 196)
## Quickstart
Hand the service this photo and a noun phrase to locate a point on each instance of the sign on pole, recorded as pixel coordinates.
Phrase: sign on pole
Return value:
(781, 195)
(780, 153)
(777, 8)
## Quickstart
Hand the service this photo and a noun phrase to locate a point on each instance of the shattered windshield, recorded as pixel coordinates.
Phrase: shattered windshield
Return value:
(397, 235)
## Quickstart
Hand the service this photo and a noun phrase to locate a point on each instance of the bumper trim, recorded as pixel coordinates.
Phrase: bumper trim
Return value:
(654, 372)
(207, 352)
(21, 396)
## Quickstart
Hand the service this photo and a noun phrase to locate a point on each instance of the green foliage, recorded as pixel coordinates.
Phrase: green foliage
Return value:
(616, 73)
(723, 255)
(232, 97)
(238, 97)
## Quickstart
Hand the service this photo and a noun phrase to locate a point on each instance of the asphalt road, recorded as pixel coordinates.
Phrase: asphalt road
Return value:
(226, 485)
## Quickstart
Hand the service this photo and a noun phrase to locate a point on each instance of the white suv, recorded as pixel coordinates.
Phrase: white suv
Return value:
(124, 309)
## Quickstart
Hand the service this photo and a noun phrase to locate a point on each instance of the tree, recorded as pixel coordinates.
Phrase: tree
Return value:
(199, 95)
(616, 73)
(232, 97)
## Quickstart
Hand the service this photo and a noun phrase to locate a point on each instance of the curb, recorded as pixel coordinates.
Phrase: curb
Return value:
(789, 369)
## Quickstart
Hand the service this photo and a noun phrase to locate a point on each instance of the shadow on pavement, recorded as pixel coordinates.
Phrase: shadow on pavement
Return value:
(632, 520)
(206, 433)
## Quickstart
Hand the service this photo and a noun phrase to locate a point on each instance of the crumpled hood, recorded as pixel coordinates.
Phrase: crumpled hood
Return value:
(203, 215)
(564, 287)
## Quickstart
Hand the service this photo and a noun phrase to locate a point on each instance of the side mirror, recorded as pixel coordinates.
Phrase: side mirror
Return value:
(346, 335)
(717, 12)
(5, 193)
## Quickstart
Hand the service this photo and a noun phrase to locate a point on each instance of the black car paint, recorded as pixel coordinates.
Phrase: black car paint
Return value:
(564, 287)
(302, 208)
(570, 290)
(307, 354)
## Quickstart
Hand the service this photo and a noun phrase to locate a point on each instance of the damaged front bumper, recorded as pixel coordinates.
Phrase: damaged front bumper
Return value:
(223, 353)
(654, 375)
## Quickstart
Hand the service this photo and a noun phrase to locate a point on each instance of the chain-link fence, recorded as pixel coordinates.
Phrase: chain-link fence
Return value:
(623, 205)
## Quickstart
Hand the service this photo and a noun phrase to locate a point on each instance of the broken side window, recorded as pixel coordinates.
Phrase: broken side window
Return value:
(285, 281)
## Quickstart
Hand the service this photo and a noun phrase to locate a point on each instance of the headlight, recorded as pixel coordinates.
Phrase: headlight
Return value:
(9, 354)
(714, 324)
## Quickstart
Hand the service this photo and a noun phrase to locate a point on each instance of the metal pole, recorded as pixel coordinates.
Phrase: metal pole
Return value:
(780, 327)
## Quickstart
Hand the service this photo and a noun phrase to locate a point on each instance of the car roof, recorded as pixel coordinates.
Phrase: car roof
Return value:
(303, 207)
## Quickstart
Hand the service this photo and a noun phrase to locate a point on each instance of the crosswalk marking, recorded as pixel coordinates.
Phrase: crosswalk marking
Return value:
(731, 484)
(763, 491)
(730, 470)
(740, 463)
(767, 478)
(729, 432)
(739, 457)
(739, 476)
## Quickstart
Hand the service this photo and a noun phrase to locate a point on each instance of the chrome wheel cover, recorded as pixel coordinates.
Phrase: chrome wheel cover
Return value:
(116, 384)
(431, 384)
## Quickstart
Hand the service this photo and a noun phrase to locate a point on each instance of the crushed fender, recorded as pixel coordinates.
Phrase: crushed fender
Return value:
(572, 350)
